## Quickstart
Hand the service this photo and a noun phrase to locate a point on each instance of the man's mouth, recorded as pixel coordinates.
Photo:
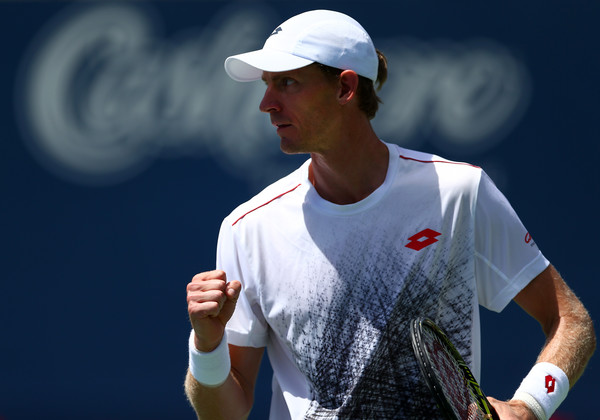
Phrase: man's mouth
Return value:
(281, 126)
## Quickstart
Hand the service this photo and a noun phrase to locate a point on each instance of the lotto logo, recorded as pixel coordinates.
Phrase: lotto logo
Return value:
(422, 239)
(550, 384)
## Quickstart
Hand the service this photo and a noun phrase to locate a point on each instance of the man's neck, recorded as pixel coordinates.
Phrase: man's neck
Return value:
(353, 172)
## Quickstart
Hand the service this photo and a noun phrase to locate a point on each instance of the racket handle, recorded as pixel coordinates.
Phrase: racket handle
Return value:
(494, 413)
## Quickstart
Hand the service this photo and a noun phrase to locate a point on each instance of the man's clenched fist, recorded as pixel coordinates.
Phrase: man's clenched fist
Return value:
(211, 302)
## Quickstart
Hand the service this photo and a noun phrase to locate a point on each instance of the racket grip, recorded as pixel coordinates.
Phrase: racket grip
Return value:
(494, 413)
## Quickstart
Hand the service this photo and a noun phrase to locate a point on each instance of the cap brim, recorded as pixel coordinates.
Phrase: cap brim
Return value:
(249, 66)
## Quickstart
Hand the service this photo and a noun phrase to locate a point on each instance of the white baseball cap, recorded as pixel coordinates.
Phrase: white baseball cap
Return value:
(321, 36)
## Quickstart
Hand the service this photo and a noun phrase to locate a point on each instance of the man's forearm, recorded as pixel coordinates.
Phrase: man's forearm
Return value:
(227, 401)
(570, 343)
(570, 336)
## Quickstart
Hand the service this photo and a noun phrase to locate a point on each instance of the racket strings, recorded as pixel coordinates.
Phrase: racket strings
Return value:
(451, 379)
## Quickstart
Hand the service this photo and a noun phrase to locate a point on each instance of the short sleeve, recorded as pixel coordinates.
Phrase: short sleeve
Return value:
(506, 257)
(247, 327)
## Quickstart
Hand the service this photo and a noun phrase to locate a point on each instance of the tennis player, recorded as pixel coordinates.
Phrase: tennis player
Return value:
(327, 266)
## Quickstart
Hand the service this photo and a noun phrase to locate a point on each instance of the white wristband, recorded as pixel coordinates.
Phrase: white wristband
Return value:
(212, 368)
(543, 389)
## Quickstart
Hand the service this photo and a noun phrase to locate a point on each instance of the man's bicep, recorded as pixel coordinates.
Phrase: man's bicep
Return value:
(547, 297)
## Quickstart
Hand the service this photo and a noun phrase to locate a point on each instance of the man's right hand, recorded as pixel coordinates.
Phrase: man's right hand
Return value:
(211, 302)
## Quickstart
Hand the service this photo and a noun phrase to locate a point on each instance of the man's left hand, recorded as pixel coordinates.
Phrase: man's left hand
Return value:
(512, 410)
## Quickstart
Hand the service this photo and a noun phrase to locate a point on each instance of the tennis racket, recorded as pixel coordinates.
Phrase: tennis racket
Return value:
(456, 391)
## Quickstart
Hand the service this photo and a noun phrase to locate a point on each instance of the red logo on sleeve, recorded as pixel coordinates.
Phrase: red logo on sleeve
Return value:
(550, 384)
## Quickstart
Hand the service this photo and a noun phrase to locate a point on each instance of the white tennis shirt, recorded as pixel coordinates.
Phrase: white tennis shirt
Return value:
(330, 289)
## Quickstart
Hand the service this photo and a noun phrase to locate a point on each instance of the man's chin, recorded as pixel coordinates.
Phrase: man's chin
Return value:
(290, 148)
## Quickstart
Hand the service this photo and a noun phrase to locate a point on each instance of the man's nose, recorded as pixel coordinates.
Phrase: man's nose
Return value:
(269, 102)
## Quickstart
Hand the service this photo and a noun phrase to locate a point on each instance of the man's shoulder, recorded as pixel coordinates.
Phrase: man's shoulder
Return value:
(417, 161)
(270, 194)
(449, 176)
(429, 158)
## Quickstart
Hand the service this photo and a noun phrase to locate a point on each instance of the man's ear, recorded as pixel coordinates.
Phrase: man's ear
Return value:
(348, 86)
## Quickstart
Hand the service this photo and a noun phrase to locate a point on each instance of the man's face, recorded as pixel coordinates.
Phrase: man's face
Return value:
(303, 106)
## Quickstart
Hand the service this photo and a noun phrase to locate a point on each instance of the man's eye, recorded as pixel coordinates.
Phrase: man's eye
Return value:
(287, 81)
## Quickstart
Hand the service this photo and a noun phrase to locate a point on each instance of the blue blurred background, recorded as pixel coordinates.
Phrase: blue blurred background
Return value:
(124, 144)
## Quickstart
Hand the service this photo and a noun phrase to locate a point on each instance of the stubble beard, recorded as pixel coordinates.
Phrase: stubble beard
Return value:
(292, 147)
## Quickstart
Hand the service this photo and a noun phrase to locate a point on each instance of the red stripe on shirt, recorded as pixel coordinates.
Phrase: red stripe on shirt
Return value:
(438, 161)
(262, 205)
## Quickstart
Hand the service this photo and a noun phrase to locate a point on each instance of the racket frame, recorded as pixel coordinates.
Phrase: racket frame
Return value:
(416, 327)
